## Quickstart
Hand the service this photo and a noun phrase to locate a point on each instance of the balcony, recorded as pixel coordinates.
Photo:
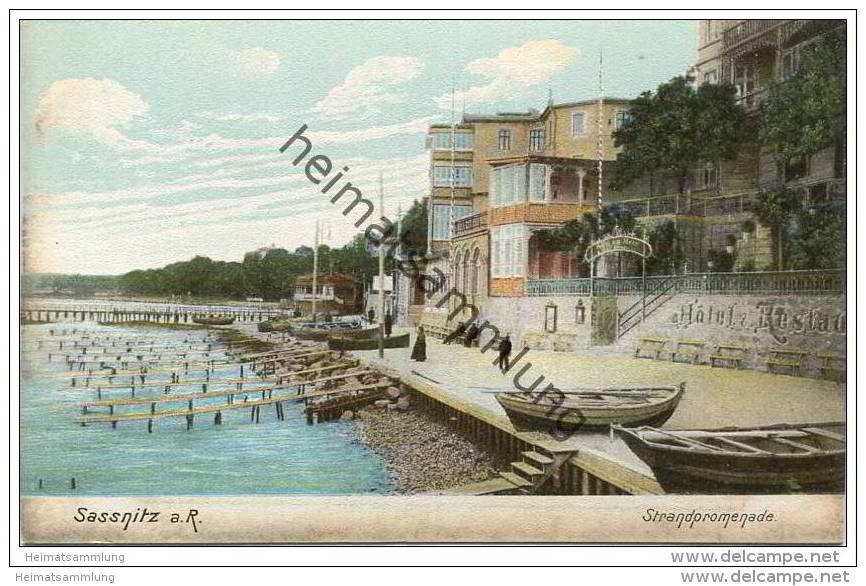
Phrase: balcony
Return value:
(473, 223)
(684, 204)
(821, 282)
(746, 30)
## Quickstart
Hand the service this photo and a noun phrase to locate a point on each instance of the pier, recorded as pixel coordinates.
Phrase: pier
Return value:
(157, 315)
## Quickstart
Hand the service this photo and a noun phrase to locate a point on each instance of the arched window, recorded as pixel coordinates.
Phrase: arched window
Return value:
(457, 276)
(465, 272)
(476, 272)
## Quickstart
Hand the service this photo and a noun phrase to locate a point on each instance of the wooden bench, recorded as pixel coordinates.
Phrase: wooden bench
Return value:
(780, 358)
(688, 351)
(729, 354)
(654, 346)
(833, 367)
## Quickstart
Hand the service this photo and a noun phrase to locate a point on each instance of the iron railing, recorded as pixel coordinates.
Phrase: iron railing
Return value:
(746, 30)
(470, 223)
(821, 282)
(641, 309)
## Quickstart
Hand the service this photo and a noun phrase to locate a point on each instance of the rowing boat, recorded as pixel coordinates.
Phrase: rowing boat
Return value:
(775, 458)
(348, 343)
(591, 408)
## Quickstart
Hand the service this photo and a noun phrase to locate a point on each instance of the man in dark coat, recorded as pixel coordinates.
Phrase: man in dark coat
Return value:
(388, 323)
(419, 350)
(461, 329)
(470, 336)
(504, 353)
(371, 315)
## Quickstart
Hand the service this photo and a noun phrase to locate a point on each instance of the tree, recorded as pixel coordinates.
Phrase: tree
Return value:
(819, 240)
(676, 128)
(414, 228)
(667, 249)
(807, 112)
(775, 209)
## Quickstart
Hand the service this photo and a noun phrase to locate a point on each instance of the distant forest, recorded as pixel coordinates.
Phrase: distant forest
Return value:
(268, 273)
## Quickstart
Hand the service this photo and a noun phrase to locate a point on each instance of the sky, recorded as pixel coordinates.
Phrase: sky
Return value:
(149, 142)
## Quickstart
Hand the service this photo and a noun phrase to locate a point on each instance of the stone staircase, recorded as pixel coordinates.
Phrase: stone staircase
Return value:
(529, 474)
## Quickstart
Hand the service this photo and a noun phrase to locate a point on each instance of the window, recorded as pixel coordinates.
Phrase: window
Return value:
(622, 117)
(463, 141)
(710, 76)
(536, 139)
(537, 182)
(442, 141)
(706, 178)
(578, 120)
(442, 176)
(744, 79)
(442, 216)
(509, 250)
(508, 185)
(504, 140)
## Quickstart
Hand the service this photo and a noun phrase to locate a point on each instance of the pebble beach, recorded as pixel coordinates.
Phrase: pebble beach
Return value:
(422, 454)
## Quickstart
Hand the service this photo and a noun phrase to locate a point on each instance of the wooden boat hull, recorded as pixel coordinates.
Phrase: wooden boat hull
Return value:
(342, 343)
(214, 321)
(573, 414)
(684, 470)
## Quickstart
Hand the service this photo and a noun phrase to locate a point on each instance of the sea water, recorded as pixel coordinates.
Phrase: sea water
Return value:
(238, 457)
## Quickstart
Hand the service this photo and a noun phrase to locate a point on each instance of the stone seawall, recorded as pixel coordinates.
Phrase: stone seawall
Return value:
(815, 323)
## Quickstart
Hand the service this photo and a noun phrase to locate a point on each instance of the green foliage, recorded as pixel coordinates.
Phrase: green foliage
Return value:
(807, 112)
(775, 209)
(270, 273)
(818, 241)
(678, 127)
(723, 261)
(77, 285)
(668, 254)
(578, 234)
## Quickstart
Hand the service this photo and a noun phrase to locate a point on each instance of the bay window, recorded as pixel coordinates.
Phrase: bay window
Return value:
(442, 175)
(441, 141)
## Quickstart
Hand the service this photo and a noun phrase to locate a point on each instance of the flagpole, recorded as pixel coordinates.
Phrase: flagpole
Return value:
(381, 274)
(315, 268)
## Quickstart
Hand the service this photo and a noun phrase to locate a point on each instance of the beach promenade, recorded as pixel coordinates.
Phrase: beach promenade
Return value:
(715, 397)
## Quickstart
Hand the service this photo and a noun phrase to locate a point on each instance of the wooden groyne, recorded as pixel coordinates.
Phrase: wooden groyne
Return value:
(163, 316)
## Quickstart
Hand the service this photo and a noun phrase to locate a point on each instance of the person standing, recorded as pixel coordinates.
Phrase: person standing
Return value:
(371, 315)
(470, 336)
(504, 353)
(419, 350)
(389, 321)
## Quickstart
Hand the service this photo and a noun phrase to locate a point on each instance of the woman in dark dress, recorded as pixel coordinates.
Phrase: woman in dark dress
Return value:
(419, 350)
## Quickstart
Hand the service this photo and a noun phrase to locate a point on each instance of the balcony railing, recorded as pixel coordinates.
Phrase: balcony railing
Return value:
(688, 204)
(746, 30)
(470, 223)
(823, 282)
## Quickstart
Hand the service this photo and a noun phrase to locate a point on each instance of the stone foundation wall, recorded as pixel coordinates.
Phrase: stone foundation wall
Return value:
(816, 324)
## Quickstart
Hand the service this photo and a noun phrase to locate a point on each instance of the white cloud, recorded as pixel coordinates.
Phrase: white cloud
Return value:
(215, 142)
(236, 117)
(94, 107)
(369, 87)
(514, 69)
(256, 62)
